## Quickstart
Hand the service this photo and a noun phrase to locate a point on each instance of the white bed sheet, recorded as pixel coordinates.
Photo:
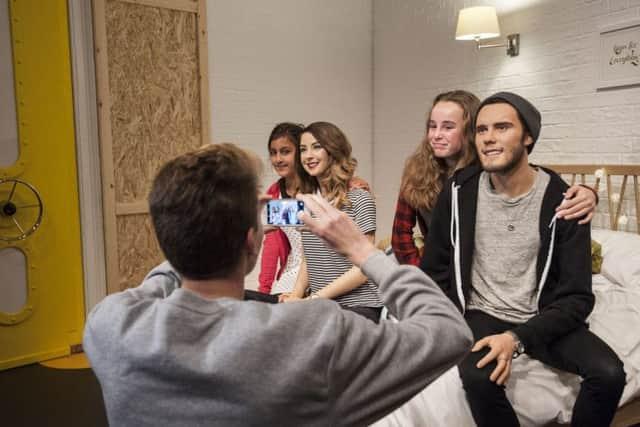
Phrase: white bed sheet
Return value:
(540, 394)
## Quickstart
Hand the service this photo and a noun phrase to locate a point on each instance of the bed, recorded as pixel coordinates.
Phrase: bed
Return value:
(543, 396)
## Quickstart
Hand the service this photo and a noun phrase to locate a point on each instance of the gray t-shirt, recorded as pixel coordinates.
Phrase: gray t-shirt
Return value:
(507, 240)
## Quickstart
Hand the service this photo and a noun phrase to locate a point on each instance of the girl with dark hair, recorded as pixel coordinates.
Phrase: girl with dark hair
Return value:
(282, 249)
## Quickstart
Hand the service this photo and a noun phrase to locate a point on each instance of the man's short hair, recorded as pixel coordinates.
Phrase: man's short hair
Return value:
(202, 204)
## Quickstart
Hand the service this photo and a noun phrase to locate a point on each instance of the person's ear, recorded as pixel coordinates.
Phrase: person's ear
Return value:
(528, 140)
(251, 241)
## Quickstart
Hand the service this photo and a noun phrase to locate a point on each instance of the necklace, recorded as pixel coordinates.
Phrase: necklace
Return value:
(518, 207)
(514, 208)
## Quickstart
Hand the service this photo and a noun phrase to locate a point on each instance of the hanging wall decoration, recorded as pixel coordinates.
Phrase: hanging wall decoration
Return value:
(619, 55)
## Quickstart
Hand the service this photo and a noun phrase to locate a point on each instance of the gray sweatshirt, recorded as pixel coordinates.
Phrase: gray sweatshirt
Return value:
(167, 357)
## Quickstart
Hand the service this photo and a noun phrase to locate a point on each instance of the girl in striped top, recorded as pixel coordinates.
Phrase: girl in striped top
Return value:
(325, 155)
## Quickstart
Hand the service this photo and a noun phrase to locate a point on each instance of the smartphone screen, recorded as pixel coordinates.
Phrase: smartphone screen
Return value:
(284, 212)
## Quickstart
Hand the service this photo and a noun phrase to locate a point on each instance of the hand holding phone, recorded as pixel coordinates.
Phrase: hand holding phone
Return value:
(284, 212)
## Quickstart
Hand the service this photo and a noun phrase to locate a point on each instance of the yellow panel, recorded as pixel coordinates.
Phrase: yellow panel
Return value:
(42, 70)
(73, 361)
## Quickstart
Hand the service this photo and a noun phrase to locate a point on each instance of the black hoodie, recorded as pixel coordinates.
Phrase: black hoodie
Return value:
(563, 269)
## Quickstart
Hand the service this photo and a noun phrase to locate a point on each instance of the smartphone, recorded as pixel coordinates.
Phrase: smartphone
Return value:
(284, 212)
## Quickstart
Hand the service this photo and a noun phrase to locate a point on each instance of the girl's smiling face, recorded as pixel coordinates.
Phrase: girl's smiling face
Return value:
(445, 130)
(315, 159)
(282, 153)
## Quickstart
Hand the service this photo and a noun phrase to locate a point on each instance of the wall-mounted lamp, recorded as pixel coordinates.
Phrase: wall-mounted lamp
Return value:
(481, 22)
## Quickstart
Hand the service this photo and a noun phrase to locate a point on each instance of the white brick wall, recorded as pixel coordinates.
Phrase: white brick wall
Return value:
(416, 57)
(292, 60)
(374, 66)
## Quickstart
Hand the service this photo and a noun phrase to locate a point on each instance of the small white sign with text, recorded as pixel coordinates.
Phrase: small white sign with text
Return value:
(619, 55)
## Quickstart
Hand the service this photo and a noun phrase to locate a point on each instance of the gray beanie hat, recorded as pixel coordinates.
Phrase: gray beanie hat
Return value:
(528, 113)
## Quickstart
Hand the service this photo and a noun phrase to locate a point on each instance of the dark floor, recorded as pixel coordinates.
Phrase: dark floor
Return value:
(34, 396)
(37, 396)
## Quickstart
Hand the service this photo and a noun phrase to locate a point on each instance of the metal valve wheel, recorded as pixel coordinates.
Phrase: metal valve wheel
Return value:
(20, 209)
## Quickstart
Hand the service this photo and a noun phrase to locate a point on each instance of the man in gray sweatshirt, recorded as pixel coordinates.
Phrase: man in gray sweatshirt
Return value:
(184, 349)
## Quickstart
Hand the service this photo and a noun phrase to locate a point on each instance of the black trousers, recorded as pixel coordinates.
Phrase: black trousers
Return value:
(580, 352)
(250, 295)
(371, 313)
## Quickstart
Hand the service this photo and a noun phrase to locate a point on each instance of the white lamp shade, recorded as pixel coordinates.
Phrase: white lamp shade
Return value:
(476, 23)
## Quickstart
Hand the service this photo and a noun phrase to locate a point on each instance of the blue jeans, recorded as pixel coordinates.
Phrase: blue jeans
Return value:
(579, 352)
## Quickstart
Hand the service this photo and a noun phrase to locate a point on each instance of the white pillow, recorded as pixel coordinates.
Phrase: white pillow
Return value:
(620, 256)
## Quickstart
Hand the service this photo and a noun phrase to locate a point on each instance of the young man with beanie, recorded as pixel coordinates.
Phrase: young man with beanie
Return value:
(183, 349)
(521, 278)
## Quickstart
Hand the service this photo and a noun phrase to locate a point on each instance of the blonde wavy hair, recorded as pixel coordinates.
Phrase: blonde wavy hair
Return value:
(423, 173)
(341, 165)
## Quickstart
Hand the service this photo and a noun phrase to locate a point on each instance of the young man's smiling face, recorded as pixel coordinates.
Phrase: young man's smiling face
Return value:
(501, 140)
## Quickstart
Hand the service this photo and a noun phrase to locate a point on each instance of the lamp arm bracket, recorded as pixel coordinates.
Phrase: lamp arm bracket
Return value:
(483, 46)
(512, 44)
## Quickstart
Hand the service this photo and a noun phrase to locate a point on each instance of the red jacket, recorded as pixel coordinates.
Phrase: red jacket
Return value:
(275, 251)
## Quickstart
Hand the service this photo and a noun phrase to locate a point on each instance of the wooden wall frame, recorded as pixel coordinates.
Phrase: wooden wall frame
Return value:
(112, 209)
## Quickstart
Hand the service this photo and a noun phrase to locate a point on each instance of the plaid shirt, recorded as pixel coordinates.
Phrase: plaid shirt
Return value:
(402, 241)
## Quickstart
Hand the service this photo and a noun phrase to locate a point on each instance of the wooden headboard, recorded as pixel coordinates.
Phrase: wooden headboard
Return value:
(616, 204)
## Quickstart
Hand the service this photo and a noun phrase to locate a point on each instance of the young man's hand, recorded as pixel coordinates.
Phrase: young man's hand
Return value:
(336, 228)
(501, 347)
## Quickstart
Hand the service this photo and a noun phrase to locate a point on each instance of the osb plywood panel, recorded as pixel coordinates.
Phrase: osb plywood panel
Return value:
(153, 78)
(138, 250)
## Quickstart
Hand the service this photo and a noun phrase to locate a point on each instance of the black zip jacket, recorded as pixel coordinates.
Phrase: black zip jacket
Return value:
(563, 269)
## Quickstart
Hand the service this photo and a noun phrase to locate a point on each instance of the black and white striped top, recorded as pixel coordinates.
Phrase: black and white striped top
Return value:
(325, 265)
